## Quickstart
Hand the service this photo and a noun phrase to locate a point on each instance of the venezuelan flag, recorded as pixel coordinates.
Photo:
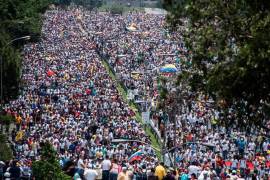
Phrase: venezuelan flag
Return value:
(136, 156)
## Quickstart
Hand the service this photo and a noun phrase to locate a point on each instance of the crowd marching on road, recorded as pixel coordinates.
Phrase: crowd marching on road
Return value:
(201, 139)
(69, 99)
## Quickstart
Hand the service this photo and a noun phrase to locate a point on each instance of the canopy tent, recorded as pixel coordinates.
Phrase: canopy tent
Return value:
(169, 68)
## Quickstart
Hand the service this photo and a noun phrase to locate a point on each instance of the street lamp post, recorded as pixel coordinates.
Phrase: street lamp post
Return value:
(177, 106)
(1, 59)
(173, 108)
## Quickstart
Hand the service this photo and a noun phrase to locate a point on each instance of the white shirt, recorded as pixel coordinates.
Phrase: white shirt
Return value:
(265, 146)
(251, 146)
(225, 146)
(204, 174)
(193, 169)
(80, 163)
(233, 177)
(106, 164)
(242, 163)
(90, 174)
(234, 163)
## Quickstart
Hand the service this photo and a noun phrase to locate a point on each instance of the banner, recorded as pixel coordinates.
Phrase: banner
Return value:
(146, 117)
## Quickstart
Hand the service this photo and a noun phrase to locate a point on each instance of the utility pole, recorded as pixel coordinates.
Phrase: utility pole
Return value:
(173, 108)
(177, 105)
(173, 111)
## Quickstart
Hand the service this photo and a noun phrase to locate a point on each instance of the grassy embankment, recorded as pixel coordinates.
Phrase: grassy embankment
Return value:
(154, 140)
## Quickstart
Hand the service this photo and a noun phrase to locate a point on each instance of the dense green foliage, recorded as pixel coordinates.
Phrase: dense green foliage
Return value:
(117, 9)
(62, 2)
(88, 4)
(48, 167)
(230, 43)
(17, 18)
(5, 150)
(6, 120)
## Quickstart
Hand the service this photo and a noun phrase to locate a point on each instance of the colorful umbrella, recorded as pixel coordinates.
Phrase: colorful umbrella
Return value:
(169, 68)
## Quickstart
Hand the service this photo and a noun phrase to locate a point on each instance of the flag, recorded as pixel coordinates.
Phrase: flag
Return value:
(50, 73)
(19, 136)
(136, 156)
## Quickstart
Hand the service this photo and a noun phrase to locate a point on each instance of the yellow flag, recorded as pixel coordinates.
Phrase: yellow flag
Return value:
(19, 136)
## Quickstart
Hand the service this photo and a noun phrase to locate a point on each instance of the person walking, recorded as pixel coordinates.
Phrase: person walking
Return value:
(90, 174)
(160, 171)
(106, 165)
(114, 170)
(151, 175)
(123, 174)
(14, 170)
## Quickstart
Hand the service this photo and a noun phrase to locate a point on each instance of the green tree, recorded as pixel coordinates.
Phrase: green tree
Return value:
(48, 167)
(88, 4)
(117, 9)
(159, 4)
(6, 120)
(11, 67)
(230, 43)
(17, 18)
(20, 18)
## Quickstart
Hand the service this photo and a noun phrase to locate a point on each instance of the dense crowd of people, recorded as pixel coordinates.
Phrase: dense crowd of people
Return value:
(200, 135)
(70, 100)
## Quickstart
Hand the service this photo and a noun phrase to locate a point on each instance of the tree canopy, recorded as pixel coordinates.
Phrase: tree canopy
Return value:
(48, 167)
(17, 18)
(229, 43)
